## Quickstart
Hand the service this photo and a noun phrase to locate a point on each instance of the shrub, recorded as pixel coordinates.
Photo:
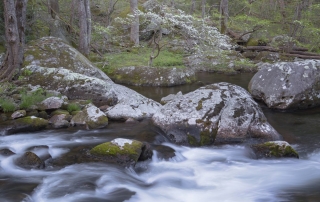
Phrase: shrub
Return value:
(7, 105)
(73, 107)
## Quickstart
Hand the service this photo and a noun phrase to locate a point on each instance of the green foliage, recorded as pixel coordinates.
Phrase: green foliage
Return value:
(7, 105)
(35, 97)
(73, 107)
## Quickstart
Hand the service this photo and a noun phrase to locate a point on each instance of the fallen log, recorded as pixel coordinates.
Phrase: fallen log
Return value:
(304, 53)
(302, 56)
(260, 48)
(299, 49)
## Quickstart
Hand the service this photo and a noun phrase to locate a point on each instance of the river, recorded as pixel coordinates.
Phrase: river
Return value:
(175, 173)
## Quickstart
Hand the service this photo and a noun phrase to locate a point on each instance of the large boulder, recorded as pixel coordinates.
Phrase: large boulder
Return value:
(287, 85)
(54, 65)
(216, 113)
(122, 151)
(53, 52)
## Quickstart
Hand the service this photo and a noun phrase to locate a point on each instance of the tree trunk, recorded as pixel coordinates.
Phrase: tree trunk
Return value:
(134, 34)
(15, 22)
(203, 9)
(224, 15)
(193, 5)
(85, 26)
(53, 7)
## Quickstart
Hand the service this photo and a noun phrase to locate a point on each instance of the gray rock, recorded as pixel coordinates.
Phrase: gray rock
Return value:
(131, 105)
(6, 152)
(60, 121)
(287, 85)
(91, 117)
(220, 113)
(170, 97)
(18, 114)
(51, 103)
(274, 149)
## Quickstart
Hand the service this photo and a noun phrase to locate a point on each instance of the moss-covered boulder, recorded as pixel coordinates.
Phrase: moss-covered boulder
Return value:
(30, 160)
(25, 124)
(122, 151)
(218, 113)
(91, 117)
(274, 149)
(152, 76)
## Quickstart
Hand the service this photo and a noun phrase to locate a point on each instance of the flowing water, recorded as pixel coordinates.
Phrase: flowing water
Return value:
(175, 173)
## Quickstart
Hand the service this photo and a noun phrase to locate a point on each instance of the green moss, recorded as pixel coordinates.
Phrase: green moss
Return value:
(277, 150)
(60, 111)
(102, 121)
(192, 141)
(199, 107)
(206, 137)
(34, 121)
(110, 149)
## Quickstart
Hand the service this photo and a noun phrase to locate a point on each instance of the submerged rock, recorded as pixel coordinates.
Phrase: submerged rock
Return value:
(30, 160)
(274, 149)
(25, 124)
(91, 117)
(287, 85)
(216, 113)
(122, 151)
(6, 152)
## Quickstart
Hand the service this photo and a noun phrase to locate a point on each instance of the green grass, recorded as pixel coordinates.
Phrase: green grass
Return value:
(29, 99)
(140, 57)
(73, 107)
(7, 105)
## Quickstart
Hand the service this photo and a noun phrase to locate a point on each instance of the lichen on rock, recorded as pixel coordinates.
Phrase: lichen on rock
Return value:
(287, 85)
(216, 113)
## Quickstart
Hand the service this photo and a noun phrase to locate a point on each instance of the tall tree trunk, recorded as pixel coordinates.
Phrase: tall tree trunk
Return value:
(134, 34)
(203, 8)
(224, 15)
(85, 26)
(15, 23)
(193, 5)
